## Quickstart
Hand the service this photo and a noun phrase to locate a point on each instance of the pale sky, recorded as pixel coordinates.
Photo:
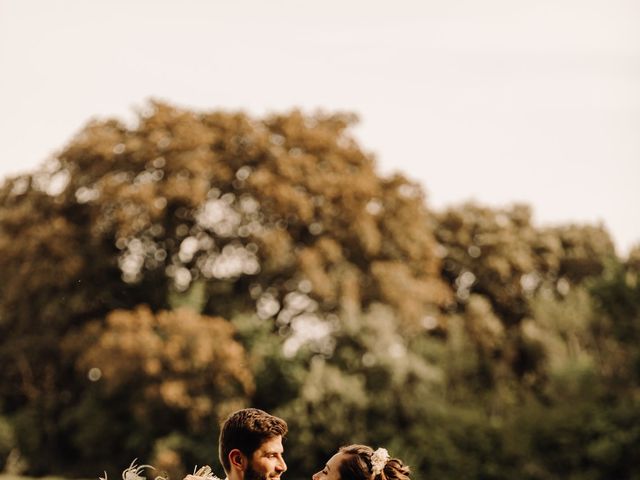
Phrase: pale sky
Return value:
(498, 101)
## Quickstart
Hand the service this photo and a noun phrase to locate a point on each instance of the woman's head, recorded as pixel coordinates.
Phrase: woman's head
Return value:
(359, 462)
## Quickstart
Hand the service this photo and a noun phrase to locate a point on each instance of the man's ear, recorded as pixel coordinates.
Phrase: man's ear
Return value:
(237, 459)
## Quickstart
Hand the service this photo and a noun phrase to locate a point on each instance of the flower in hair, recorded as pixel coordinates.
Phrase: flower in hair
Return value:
(379, 459)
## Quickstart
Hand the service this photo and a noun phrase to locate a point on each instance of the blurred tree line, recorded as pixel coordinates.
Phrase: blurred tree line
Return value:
(155, 277)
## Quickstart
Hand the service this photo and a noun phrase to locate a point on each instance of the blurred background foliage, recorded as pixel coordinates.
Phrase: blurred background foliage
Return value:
(154, 278)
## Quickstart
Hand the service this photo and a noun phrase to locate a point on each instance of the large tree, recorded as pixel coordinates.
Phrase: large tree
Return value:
(283, 217)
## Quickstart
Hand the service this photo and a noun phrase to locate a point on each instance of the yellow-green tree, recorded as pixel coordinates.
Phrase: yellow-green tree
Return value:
(283, 217)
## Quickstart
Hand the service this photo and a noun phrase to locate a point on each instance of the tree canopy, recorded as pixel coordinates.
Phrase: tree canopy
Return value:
(156, 276)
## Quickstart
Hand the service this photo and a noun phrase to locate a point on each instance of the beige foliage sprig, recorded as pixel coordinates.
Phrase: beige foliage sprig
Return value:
(203, 473)
(133, 473)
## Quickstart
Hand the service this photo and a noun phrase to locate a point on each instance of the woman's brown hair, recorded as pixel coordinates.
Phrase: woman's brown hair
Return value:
(357, 465)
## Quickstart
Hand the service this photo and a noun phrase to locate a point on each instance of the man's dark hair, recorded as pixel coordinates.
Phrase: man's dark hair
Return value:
(246, 430)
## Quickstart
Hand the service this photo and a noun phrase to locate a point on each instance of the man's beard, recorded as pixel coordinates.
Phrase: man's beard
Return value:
(251, 474)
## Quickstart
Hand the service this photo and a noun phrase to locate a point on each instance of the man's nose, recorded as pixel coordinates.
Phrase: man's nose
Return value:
(282, 466)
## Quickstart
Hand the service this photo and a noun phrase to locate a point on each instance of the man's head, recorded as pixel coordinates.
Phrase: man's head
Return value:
(250, 445)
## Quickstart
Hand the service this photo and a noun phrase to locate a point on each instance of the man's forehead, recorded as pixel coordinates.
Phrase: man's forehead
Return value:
(272, 444)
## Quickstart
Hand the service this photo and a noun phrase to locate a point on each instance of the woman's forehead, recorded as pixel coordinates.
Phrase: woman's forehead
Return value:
(335, 460)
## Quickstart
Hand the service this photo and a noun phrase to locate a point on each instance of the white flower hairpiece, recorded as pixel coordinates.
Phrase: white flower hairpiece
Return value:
(379, 459)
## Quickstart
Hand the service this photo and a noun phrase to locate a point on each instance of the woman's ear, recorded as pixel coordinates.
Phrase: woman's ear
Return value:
(237, 459)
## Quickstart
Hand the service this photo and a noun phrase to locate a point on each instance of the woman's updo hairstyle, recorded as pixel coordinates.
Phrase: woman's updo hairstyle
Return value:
(362, 463)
